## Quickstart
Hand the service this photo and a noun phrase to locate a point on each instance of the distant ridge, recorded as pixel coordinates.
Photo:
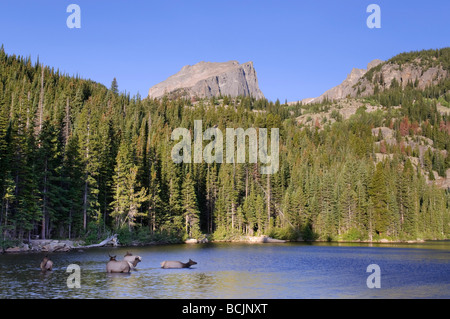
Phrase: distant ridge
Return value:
(346, 87)
(419, 68)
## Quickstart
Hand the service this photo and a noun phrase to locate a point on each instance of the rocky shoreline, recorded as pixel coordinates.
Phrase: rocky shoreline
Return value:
(53, 245)
(45, 245)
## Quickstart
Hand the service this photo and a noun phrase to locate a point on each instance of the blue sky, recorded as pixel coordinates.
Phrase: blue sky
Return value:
(299, 48)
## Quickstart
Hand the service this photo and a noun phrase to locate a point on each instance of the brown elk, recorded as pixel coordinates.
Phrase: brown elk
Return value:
(114, 266)
(46, 264)
(177, 264)
(133, 260)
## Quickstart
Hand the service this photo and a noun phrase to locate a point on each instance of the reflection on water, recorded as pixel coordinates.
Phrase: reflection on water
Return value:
(320, 270)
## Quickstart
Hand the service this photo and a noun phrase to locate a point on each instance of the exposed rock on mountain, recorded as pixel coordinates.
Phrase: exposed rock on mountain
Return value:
(346, 88)
(208, 79)
(419, 72)
(389, 74)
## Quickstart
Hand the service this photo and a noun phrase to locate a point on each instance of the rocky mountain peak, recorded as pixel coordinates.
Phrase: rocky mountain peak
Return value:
(208, 79)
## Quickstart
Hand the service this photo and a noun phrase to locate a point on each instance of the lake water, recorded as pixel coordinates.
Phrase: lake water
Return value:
(230, 270)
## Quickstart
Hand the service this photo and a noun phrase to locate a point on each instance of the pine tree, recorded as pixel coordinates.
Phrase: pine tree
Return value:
(49, 159)
(261, 215)
(379, 198)
(6, 181)
(8, 198)
(107, 157)
(190, 208)
(26, 211)
(87, 126)
(174, 217)
(128, 196)
(155, 204)
(74, 186)
(406, 196)
(249, 208)
(211, 195)
(114, 86)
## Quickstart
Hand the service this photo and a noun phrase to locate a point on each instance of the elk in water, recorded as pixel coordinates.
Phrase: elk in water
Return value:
(114, 266)
(170, 264)
(132, 259)
(46, 264)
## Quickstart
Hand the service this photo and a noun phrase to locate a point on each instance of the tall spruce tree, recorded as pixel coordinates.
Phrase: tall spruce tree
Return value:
(190, 207)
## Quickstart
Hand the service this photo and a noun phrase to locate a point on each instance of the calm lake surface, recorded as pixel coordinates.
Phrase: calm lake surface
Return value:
(230, 270)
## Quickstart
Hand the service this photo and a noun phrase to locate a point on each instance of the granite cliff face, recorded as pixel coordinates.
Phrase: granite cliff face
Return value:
(361, 82)
(208, 79)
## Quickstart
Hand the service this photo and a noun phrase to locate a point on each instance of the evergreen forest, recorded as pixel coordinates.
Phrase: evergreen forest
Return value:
(82, 160)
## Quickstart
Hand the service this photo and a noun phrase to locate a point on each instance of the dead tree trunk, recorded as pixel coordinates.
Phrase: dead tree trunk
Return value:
(112, 239)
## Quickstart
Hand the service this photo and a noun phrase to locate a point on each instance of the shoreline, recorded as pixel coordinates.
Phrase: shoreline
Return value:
(65, 245)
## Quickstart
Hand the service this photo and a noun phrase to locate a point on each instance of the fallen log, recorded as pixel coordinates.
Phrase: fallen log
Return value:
(273, 240)
(262, 239)
(110, 240)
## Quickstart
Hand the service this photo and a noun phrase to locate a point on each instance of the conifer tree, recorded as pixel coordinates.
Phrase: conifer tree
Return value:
(190, 208)
(379, 198)
(128, 195)
(114, 86)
